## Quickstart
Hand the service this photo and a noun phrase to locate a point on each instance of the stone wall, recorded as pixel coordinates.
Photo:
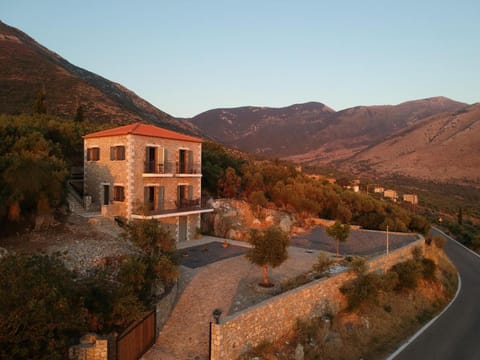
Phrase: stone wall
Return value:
(276, 317)
(164, 308)
(90, 348)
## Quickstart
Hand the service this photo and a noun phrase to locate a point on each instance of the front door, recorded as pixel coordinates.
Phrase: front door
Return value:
(106, 194)
(182, 228)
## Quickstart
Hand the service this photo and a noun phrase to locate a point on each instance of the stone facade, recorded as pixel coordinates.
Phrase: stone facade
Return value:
(90, 348)
(141, 171)
(277, 317)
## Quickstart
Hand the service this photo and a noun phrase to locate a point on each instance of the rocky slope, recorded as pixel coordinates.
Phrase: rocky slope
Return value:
(442, 147)
(29, 68)
(264, 130)
(313, 131)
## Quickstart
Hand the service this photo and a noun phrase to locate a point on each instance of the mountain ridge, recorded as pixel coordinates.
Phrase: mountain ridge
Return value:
(301, 127)
(309, 133)
(29, 68)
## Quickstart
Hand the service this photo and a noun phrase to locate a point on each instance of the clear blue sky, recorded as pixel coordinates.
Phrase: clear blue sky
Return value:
(186, 57)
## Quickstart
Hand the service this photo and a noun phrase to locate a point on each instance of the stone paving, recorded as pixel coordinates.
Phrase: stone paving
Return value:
(185, 336)
(227, 284)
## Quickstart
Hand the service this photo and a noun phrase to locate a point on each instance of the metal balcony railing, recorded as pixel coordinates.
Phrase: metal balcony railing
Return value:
(170, 167)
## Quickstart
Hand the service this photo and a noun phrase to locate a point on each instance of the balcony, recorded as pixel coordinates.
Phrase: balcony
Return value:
(182, 208)
(170, 168)
(187, 169)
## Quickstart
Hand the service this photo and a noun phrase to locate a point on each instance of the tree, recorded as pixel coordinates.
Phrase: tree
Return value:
(339, 232)
(41, 308)
(269, 249)
(230, 183)
(257, 201)
(80, 114)
(40, 106)
(151, 237)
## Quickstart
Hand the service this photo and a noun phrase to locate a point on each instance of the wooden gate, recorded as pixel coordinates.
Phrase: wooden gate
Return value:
(137, 339)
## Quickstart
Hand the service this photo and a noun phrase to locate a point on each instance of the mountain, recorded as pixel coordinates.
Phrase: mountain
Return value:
(313, 132)
(27, 68)
(265, 130)
(443, 147)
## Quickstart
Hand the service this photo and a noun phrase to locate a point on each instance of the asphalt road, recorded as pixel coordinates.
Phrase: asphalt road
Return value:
(456, 333)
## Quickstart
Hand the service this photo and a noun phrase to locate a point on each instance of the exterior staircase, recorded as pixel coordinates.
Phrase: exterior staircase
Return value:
(75, 204)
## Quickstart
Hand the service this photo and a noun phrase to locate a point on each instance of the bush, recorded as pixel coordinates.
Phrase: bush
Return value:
(389, 281)
(323, 263)
(409, 272)
(363, 289)
(417, 253)
(428, 269)
(358, 265)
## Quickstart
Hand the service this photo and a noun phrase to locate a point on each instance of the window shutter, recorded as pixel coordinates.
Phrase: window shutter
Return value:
(161, 197)
(190, 161)
(190, 192)
(112, 153)
(121, 153)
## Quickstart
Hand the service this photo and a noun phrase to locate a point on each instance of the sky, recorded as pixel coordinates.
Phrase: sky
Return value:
(186, 57)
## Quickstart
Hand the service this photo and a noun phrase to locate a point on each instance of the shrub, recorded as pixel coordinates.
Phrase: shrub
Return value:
(389, 281)
(428, 269)
(417, 253)
(358, 265)
(363, 289)
(409, 272)
(323, 263)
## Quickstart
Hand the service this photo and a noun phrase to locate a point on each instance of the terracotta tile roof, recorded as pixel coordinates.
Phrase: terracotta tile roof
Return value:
(143, 130)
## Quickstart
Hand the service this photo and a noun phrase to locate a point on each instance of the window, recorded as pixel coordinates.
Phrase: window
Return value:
(117, 152)
(118, 193)
(93, 154)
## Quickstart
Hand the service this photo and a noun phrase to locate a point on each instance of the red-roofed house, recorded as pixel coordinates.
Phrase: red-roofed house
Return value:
(142, 171)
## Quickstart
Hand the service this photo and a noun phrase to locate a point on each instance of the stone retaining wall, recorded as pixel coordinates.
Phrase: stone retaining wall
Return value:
(276, 317)
(91, 347)
(164, 308)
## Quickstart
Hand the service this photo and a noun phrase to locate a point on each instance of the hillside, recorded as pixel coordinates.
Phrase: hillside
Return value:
(443, 147)
(313, 132)
(28, 68)
(264, 130)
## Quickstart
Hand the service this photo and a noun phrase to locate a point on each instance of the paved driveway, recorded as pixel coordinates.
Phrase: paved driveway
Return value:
(208, 253)
(360, 242)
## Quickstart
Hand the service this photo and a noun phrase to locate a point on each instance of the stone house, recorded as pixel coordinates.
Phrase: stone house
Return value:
(411, 198)
(390, 194)
(141, 171)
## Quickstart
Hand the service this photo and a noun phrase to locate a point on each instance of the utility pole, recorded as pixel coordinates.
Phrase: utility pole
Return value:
(388, 250)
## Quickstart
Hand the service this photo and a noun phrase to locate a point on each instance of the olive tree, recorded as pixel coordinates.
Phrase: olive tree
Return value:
(269, 249)
(340, 232)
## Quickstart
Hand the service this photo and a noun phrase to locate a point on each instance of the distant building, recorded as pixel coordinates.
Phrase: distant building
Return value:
(378, 189)
(390, 194)
(356, 188)
(411, 198)
(298, 168)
